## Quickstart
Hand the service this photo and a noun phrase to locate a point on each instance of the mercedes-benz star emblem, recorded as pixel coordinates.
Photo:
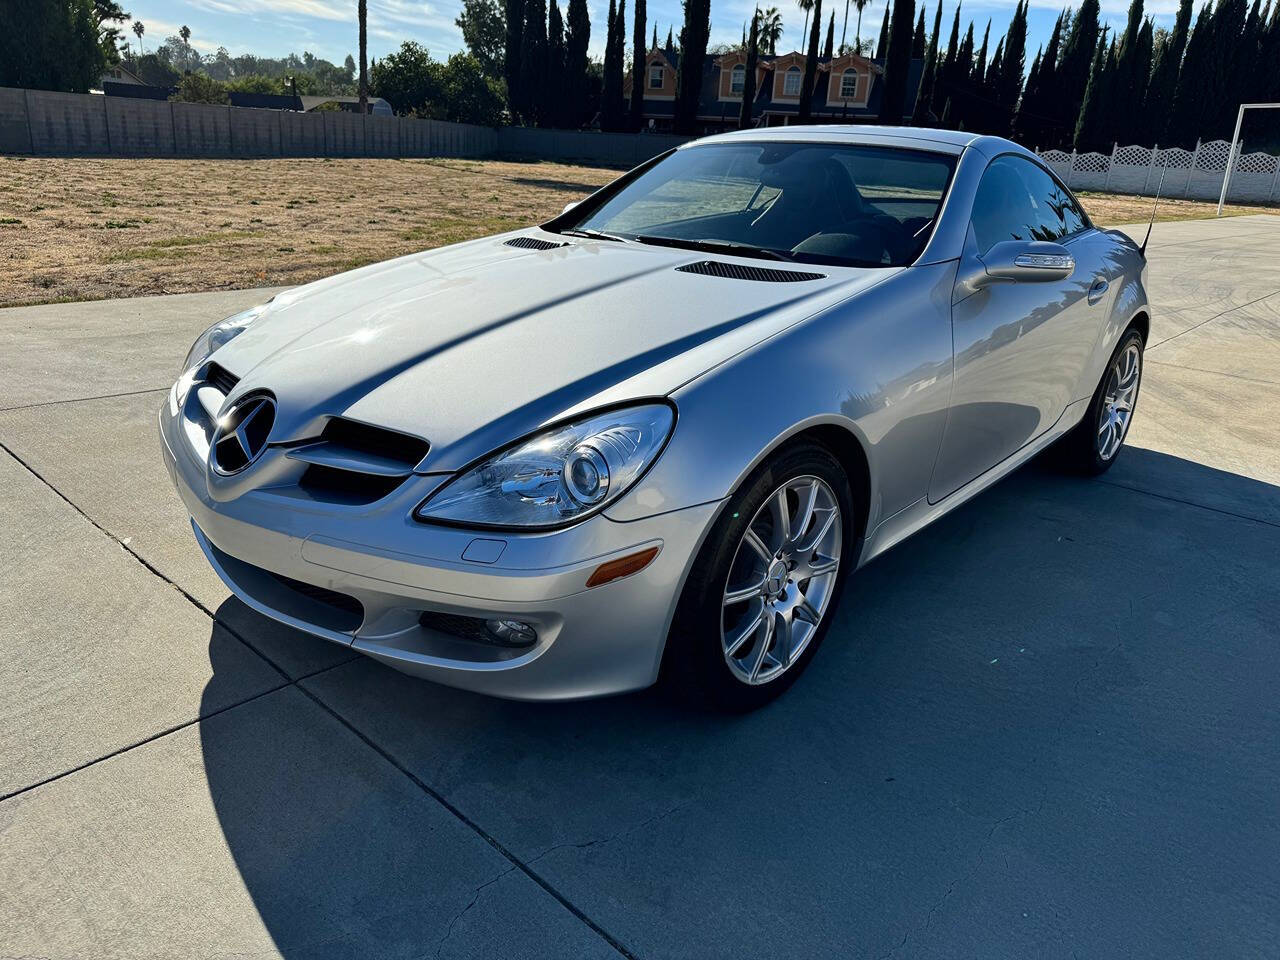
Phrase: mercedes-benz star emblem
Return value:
(242, 433)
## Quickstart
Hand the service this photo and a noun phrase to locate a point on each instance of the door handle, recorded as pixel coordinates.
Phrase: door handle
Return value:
(1098, 289)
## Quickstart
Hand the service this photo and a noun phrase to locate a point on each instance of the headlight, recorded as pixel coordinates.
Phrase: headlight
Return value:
(558, 476)
(221, 334)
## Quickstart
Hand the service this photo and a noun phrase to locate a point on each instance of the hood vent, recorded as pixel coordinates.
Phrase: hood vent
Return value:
(221, 378)
(533, 243)
(736, 271)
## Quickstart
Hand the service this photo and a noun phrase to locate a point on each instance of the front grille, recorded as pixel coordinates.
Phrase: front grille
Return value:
(736, 271)
(533, 243)
(466, 628)
(347, 610)
(355, 463)
(220, 377)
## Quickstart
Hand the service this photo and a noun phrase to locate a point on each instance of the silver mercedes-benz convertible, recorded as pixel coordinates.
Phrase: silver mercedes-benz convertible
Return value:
(650, 438)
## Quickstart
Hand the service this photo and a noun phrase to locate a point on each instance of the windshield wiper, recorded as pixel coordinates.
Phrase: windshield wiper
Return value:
(594, 235)
(717, 246)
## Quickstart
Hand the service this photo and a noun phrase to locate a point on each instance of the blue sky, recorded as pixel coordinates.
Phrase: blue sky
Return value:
(327, 28)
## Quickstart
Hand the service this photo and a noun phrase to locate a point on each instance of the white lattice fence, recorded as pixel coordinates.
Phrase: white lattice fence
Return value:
(1195, 173)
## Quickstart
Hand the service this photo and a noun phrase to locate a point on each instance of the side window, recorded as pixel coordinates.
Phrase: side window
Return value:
(1017, 200)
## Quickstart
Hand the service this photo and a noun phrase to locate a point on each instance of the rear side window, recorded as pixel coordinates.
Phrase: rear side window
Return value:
(1017, 200)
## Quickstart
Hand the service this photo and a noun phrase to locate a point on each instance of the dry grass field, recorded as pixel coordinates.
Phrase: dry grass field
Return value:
(83, 229)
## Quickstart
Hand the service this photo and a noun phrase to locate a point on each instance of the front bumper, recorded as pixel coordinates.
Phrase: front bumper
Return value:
(590, 642)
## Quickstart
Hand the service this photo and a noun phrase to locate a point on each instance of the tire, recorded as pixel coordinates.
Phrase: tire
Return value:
(697, 666)
(1082, 451)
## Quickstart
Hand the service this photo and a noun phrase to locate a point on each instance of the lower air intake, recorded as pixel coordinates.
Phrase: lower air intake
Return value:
(735, 271)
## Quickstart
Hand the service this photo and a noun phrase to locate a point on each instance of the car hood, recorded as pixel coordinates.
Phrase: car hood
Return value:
(475, 345)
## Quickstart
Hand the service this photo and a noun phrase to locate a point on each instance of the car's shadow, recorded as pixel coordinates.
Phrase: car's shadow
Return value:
(1044, 724)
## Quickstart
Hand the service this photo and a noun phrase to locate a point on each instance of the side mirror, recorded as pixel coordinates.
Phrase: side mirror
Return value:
(1024, 261)
(570, 206)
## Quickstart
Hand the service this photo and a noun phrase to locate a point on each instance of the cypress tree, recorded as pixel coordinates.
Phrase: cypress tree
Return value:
(1101, 73)
(811, 62)
(533, 62)
(897, 63)
(693, 50)
(1033, 121)
(1074, 71)
(1022, 121)
(923, 113)
(829, 49)
(1224, 93)
(1164, 73)
(556, 92)
(945, 81)
(576, 83)
(882, 47)
(671, 45)
(1007, 83)
(612, 72)
(637, 66)
(1188, 98)
(745, 118)
(516, 94)
(917, 39)
(1125, 84)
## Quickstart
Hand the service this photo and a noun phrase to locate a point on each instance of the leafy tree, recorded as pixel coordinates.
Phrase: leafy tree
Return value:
(745, 118)
(576, 81)
(922, 115)
(897, 62)
(637, 65)
(56, 45)
(153, 70)
(408, 79)
(484, 31)
(811, 63)
(469, 94)
(199, 88)
(693, 50)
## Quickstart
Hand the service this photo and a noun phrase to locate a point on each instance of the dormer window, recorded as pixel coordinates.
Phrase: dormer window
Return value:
(738, 79)
(791, 82)
(655, 76)
(849, 84)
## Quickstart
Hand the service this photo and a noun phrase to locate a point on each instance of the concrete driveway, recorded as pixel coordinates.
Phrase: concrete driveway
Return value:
(1045, 727)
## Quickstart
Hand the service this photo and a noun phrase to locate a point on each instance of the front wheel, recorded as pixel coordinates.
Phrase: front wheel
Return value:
(763, 588)
(1093, 446)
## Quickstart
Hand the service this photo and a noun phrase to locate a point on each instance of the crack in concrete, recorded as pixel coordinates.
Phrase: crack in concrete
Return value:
(105, 396)
(584, 844)
(475, 896)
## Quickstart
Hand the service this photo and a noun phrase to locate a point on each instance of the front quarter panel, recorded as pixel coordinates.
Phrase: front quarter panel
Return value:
(877, 365)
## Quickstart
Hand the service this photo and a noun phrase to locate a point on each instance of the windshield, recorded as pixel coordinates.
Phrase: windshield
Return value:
(831, 203)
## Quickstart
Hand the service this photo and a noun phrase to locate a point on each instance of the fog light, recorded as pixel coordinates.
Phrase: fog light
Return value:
(513, 632)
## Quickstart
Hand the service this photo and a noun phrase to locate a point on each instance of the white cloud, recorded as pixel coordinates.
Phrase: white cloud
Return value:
(320, 9)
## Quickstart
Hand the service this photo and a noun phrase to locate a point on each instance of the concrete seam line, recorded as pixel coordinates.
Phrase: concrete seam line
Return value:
(129, 550)
(497, 845)
(1215, 373)
(140, 743)
(1216, 316)
(105, 396)
(1188, 503)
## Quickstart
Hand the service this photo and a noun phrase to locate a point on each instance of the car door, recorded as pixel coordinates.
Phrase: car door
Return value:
(1019, 347)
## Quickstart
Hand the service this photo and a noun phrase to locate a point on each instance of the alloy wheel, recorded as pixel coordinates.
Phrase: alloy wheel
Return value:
(1119, 398)
(781, 580)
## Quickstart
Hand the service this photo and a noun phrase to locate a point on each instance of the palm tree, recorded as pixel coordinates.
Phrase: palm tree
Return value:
(138, 31)
(857, 30)
(770, 30)
(185, 33)
(362, 13)
(806, 6)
